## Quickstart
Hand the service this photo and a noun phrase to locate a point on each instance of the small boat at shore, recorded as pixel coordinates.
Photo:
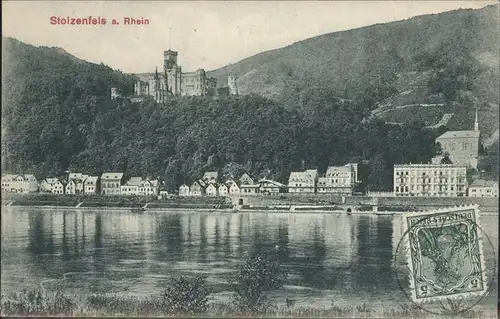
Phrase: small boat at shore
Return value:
(137, 210)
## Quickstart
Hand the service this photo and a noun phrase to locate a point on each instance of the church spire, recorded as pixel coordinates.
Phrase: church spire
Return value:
(476, 123)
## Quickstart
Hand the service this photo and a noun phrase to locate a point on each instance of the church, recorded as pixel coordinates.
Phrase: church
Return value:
(173, 81)
(462, 146)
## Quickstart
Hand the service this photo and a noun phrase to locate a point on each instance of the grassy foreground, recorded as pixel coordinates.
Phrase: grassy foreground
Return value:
(36, 303)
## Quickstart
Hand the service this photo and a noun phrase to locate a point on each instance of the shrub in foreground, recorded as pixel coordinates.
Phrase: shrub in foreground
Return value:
(187, 295)
(253, 279)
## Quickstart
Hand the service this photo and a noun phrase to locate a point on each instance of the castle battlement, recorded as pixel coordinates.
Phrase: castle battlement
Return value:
(172, 81)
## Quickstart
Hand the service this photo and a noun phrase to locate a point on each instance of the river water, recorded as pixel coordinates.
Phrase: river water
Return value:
(330, 257)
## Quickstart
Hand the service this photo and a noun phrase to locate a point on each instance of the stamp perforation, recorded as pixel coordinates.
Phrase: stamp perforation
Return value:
(408, 254)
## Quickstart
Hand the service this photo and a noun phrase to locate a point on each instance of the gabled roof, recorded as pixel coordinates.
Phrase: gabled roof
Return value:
(459, 134)
(296, 175)
(9, 177)
(201, 183)
(245, 176)
(271, 182)
(91, 179)
(134, 181)
(79, 176)
(51, 180)
(338, 169)
(196, 183)
(111, 175)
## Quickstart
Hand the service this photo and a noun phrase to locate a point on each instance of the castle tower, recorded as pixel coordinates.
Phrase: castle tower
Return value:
(170, 59)
(157, 84)
(476, 123)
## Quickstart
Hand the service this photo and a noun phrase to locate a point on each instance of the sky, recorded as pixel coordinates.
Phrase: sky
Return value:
(207, 34)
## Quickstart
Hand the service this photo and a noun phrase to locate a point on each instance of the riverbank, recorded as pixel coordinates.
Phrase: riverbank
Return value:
(115, 202)
(58, 304)
(264, 203)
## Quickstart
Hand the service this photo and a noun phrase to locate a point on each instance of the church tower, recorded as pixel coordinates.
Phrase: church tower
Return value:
(476, 123)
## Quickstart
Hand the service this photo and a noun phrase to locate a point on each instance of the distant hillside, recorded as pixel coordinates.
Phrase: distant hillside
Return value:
(449, 58)
(57, 115)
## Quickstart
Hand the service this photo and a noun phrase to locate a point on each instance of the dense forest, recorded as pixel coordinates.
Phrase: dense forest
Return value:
(57, 115)
(312, 106)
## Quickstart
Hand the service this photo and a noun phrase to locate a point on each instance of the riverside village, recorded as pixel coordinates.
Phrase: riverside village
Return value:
(283, 159)
(450, 175)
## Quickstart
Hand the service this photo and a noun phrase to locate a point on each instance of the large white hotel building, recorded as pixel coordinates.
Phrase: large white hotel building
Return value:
(439, 180)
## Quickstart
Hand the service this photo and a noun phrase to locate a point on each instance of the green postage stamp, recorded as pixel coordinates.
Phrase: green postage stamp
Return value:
(445, 254)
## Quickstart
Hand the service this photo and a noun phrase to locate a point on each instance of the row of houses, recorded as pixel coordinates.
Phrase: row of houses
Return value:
(337, 180)
(434, 179)
(230, 187)
(209, 185)
(79, 183)
(439, 180)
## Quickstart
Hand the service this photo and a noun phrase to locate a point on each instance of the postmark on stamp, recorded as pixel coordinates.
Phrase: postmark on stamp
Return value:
(445, 254)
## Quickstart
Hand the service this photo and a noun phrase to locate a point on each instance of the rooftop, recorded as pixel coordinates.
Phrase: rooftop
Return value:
(91, 179)
(272, 182)
(459, 134)
(134, 181)
(111, 175)
(483, 183)
(406, 166)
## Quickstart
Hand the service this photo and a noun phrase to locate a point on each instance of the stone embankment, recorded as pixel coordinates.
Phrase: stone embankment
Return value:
(330, 202)
(132, 202)
(279, 203)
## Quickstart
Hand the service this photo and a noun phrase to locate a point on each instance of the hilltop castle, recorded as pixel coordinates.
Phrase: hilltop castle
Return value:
(172, 81)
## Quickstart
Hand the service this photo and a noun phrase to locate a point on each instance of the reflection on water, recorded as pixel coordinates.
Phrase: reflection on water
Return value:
(329, 257)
